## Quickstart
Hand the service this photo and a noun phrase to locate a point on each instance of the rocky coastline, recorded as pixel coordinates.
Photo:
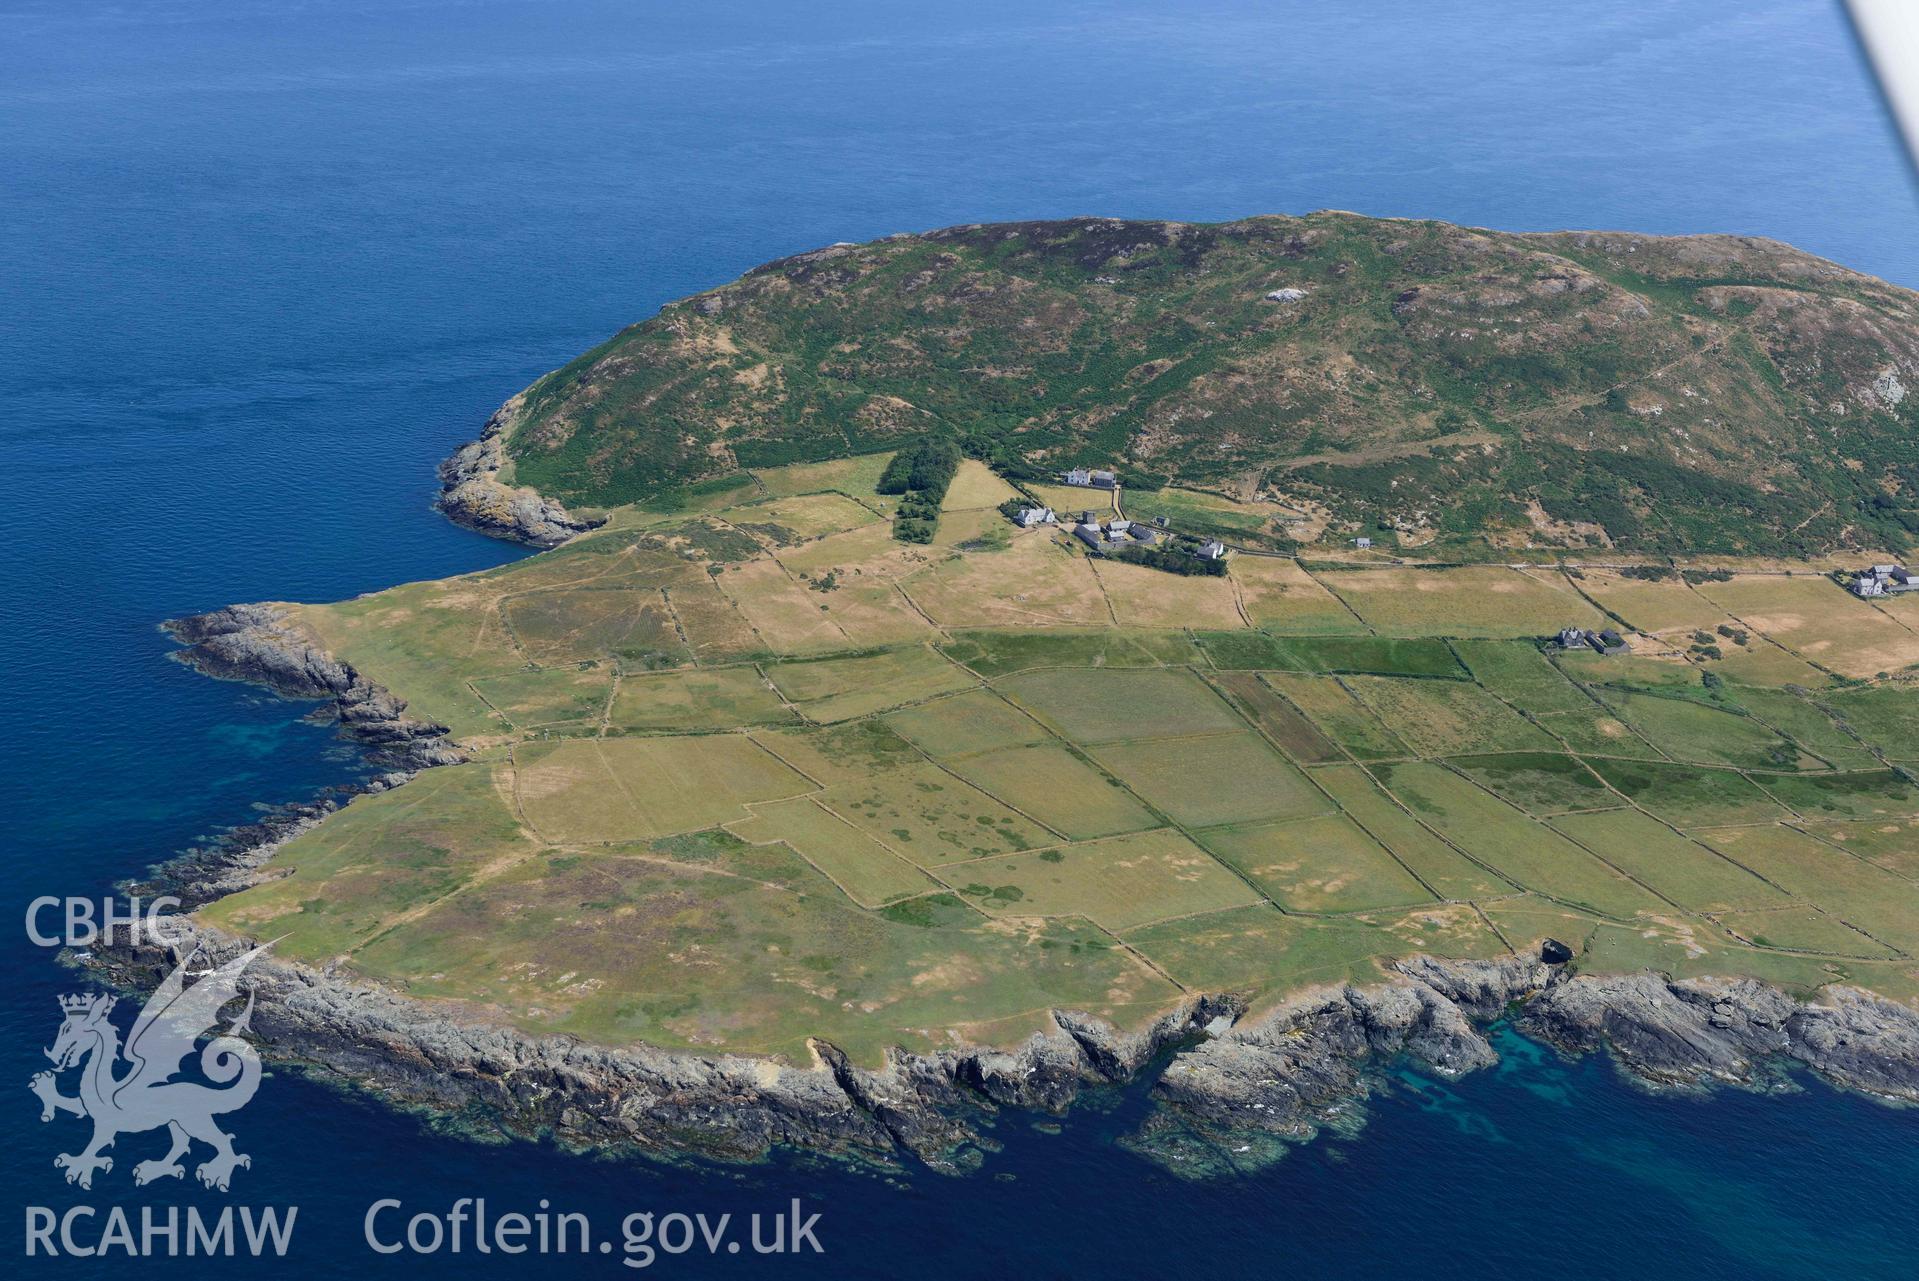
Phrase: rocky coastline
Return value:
(1230, 1092)
(260, 645)
(473, 495)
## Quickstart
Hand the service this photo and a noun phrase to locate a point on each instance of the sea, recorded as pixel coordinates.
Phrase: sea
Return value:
(264, 262)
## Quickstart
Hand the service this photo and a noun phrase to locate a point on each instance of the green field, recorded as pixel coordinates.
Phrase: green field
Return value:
(1892, 845)
(386, 854)
(1885, 714)
(932, 817)
(1000, 653)
(1686, 796)
(1341, 718)
(608, 791)
(1094, 706)
(1878, 794)
(1518, 848)
(842, 689)
(1326, 864)
(1519, 672)
(1691, 731)
(1677, 868)
(763, 773)
(869, 873)
(1863, 894)
(1364, 655)
(1799, 717)
(1227, 778)
(715, 698)
(548, 697)
(1282, 722)
(1436, 718)
(1244, 949)
(1448, 870)
(975, 721)
(1054, 785)
(1804, 929)
(1540, 783)
(1116, 883)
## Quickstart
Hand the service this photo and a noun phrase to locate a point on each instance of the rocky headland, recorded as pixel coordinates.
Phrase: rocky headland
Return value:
(473, 495)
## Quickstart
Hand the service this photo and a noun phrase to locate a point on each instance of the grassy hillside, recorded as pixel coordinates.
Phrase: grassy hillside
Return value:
(1705, 393)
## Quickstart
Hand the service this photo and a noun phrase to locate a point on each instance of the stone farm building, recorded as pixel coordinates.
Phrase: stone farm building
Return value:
(1883, 580)
(1091, 479)
(1606, 642)
(1119, 532)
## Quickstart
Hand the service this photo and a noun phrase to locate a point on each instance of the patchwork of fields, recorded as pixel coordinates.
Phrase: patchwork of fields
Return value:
(751, 773)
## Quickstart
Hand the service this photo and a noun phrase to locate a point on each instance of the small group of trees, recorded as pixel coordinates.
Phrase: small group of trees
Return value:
(920, 474)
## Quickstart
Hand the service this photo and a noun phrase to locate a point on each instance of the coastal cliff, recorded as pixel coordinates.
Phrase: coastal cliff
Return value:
(1280, 1077)
(1230, 1093)
(473, 495)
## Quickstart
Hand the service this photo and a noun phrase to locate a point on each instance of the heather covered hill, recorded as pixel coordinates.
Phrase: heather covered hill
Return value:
(1704, 393)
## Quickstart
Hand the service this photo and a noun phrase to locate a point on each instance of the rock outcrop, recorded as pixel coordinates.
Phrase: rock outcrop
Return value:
(1733, 1031)
(473, 495)
(1236, 1099)
(261, 645)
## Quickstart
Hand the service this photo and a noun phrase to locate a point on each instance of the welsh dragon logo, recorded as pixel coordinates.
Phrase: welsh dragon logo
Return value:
(144, 1097)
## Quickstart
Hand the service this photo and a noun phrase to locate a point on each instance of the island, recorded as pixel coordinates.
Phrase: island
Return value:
(976, 667)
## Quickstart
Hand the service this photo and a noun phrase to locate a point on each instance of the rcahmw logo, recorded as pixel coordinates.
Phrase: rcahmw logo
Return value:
(82, 1232)
(130, 1089)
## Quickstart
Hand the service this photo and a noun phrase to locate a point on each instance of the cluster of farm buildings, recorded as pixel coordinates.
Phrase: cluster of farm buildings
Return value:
(1090, 479)
(1116, 532)
(1606, 640)
(1883, 580)
(1103, 536)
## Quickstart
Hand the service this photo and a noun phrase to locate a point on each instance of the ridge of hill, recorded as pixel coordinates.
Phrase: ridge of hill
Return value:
(1670, 394)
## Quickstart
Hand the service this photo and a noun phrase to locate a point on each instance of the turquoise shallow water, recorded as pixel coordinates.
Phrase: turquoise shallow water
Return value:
(262, 263)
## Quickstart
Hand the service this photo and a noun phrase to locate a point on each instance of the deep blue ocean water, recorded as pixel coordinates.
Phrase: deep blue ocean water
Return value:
(263, 262)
